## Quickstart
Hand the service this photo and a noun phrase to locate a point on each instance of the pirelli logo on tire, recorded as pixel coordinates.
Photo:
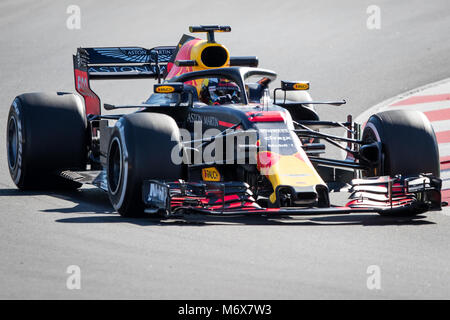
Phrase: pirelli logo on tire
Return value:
(210, 174)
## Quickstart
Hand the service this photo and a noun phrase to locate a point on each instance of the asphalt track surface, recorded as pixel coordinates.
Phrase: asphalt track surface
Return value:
(326, 42)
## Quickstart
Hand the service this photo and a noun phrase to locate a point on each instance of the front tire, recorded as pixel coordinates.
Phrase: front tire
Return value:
(408, 141)
(141, 148)
(408, 146)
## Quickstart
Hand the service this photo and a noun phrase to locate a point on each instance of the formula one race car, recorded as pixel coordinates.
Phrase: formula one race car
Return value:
(212, 139)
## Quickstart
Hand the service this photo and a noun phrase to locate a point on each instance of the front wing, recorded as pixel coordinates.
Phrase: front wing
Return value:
(384, 195)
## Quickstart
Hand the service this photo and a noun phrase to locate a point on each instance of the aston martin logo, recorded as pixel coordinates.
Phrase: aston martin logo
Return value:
(135, 54)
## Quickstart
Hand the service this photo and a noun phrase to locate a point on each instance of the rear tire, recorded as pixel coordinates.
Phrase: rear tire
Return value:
(140, 148)
(46, 132)
(409, 145)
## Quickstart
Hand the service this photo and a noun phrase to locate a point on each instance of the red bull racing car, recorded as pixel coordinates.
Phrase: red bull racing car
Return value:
(212, 139)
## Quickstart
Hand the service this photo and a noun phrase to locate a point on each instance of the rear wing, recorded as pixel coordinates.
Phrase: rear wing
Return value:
(112, 63)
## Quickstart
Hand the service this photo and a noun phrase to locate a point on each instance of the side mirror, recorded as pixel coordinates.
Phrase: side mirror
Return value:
(177, 87)
(290, 86)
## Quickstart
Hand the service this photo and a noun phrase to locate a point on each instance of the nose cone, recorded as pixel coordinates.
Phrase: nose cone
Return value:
(289, 170)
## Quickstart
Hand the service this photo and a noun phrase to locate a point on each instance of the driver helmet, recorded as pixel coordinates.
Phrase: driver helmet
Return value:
(216, 91)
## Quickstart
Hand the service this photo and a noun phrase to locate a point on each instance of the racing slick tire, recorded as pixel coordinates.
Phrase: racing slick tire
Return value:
(408, 141)
(140, 148)
(46, 132)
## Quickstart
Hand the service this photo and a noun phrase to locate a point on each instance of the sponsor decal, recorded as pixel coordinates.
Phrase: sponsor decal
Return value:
(135, 51)
(291, 85)
(83, 87)
(136, 54)
(301, 86)
(164, 54)
(164, 89)
(193, 117)
(157, 194)
(210, 174)
(91, 100)
(134, 69)
(206, 120)
(279, 140)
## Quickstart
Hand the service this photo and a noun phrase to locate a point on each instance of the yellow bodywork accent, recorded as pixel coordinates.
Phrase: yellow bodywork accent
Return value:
(194, 53)
(197, 50)
(291, 171)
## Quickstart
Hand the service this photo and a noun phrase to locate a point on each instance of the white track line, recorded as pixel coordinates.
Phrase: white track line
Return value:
(444, 150)
(439, 126)
(432, 88)
(424, 107)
